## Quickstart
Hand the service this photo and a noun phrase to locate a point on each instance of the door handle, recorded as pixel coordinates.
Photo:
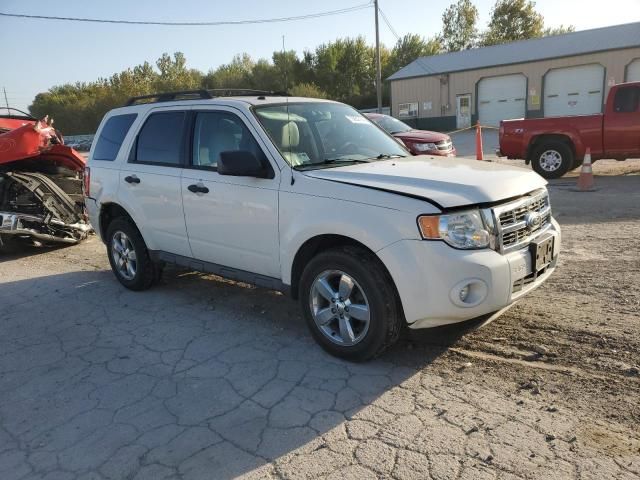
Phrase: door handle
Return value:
(198, 188)
(131, 179)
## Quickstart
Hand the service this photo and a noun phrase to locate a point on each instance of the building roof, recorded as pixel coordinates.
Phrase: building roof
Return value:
(565, 45)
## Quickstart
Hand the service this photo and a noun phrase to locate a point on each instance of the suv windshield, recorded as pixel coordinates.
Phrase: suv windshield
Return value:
(392, 125)
(319, 134)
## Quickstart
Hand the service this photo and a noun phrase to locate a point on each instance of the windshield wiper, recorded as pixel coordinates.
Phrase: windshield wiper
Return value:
(344, 160)
(329, 162)
(387, 155)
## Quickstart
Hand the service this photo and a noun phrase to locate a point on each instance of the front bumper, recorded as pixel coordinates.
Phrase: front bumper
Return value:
(429, 274)
(23, 225)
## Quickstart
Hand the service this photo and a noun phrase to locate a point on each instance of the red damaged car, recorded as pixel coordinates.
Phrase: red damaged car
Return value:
(41, 183)
(418, 142)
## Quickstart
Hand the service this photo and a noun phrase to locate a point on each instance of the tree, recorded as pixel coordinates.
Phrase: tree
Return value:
(411, 47)
(307, 90)
(560, 30)
(513, 20)
(459, 30)
(236, 74)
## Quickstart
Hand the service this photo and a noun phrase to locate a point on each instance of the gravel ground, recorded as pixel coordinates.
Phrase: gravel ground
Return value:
(203, 378)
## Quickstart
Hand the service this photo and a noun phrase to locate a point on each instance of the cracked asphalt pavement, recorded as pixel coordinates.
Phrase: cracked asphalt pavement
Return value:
(201, 378)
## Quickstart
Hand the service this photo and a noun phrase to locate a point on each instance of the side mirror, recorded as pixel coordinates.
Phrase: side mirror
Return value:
(241, 163)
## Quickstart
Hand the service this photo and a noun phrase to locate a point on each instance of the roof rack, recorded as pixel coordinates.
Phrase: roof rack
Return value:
(201, 94)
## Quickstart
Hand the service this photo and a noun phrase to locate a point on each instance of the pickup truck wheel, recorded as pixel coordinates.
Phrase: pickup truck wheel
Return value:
(552, 159)
(128, 256)
(350, 304)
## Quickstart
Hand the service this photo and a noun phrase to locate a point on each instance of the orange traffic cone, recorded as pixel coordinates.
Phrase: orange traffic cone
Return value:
(479, 142)
(585, 181)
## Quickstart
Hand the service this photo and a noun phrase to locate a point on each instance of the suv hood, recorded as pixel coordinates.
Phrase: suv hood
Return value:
(446, 183)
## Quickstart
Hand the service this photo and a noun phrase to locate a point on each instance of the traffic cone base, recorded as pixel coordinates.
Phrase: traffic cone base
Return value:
(585, 180)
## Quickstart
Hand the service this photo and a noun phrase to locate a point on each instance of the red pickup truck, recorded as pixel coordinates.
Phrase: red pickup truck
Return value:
(556, 145)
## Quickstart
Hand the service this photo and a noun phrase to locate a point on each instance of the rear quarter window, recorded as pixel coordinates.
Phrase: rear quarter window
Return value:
(160, 139)
(112, 136)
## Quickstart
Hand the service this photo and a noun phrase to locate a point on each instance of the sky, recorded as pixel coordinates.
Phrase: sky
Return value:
(38, 54)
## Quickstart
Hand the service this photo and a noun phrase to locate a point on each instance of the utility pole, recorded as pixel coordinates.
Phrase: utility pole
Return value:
(378, 71)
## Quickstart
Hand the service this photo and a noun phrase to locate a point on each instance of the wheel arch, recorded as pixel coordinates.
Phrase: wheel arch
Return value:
(550, 137)
(320, 243)
(110, 211)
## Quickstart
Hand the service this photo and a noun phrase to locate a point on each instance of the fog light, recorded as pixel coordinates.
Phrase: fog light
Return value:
(469, 293)
(464, 293)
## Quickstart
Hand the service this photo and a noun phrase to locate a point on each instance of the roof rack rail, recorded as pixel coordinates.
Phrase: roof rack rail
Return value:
(236, 92)
(169, 96)
(202, 94)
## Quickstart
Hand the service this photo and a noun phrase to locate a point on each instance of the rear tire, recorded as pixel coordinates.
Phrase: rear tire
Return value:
(552, 159)
(129, 257)
(333, 287)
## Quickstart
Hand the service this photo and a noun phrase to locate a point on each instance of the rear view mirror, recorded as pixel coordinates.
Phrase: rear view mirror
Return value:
(241, 163)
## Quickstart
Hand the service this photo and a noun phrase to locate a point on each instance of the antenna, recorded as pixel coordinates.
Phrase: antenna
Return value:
(286, 88)
(286, 66)
(378, 72)
(6, 100)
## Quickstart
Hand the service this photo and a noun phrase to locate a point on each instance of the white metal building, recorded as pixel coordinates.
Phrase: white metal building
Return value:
(566, 74)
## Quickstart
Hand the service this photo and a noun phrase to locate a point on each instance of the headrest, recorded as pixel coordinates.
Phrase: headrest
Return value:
(290, 135)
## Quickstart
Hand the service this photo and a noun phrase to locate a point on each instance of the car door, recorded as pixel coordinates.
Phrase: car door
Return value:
(622, 123)
(231, 221)
(150, 180)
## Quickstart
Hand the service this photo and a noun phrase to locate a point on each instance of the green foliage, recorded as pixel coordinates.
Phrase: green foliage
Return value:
(307, 90)
(459, 26)
(560, 30)
(410, 47)
(513, 20)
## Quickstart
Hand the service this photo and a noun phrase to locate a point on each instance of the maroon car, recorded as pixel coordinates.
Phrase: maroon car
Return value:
(419, 142)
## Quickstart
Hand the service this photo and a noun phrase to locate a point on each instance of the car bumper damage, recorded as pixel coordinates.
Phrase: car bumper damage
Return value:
(41, 182)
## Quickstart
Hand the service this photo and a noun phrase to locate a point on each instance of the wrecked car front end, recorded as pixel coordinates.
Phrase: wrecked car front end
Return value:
(41, 182)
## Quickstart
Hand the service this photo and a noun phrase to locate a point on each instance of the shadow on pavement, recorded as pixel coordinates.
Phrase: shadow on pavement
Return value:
(196, 378)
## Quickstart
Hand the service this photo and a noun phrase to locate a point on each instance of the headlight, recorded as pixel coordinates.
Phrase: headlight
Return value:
(463, 229)
(423, 147)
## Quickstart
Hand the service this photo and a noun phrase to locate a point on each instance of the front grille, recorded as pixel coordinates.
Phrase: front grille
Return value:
(520, 221)
(444, 145)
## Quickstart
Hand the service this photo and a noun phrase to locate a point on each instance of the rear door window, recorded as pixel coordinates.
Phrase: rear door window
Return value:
(627, 100)
(160, 139)
(112, 136)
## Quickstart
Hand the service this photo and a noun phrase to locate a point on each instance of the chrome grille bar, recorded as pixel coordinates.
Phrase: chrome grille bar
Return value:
(517, 223)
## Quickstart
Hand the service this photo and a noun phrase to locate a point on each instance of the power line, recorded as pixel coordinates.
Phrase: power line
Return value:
(419, 60)
(386, 20)
(193, 24)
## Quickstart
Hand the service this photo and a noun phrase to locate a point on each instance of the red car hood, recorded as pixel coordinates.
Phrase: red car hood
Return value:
(37, 140)
(421, 136)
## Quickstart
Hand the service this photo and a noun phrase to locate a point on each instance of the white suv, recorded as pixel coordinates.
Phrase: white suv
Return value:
(309, 197)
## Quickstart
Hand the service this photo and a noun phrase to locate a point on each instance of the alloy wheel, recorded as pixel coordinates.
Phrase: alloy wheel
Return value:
(550, 160)
(339, 307)
(124, 255)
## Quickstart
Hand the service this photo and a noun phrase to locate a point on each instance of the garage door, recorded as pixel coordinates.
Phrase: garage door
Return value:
(573, 90)
(501, 98)
(633, 71)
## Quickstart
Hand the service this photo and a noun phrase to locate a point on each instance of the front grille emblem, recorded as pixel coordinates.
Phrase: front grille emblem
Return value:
(533, 220)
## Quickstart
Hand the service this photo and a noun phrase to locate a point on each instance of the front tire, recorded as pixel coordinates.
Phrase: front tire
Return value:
(552, 159)
(129, 257)
(350, 304)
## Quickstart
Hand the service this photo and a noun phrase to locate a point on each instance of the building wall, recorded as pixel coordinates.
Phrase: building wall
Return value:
(439, 91)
